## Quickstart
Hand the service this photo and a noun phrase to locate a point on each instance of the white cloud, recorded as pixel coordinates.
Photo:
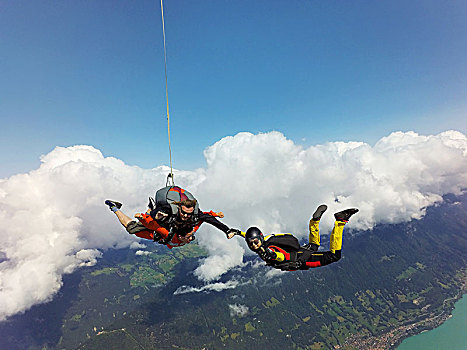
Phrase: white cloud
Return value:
(142, 252)
(215, 287)
(238, 310)
(137, 245)
(54, 220)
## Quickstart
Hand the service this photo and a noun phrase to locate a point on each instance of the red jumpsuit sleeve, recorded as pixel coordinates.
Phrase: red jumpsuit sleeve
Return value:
(151, 224)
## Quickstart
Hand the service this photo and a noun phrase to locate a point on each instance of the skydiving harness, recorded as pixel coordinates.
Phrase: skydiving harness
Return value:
(294, 263)
(164, 199)
(158, 238)
(295, 255)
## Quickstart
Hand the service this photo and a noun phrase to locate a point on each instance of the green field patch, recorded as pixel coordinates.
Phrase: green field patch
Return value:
(234, 335)
(402, 298)
(166, 264)
(76, 318)
(271, 303)
(387, 258)
(317, 346)
(127, 267)
(332, 313)
(420, 266)
(406, 274)
(104, 271)
(337, 299)
(191, 251)
(316, 308)
(145, 276)
(249, 327)
(444, 286)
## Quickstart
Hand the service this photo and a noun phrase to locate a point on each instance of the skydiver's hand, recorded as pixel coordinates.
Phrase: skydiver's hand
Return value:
(298, 264)
(233, 232)
(138, 215)
(184, 239)
(266, 254)
(160, 215)
(220, 214)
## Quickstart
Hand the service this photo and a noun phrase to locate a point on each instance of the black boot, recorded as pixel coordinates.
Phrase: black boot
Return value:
(345, 214)
(152, 204)
(319, 212)
(113, 204)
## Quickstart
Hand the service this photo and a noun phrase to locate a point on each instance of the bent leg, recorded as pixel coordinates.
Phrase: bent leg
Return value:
(322, 259)
(145, 234)
(318, 259)
(335, 242)
(124, 220)
(139, 230)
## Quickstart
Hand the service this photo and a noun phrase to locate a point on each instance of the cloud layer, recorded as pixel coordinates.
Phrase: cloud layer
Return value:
(54, 221)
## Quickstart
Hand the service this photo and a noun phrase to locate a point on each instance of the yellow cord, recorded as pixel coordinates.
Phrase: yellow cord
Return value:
(167, 94)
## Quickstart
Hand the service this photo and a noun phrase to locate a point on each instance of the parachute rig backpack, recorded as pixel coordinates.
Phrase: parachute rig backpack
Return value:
(287, 242)
(165, 197)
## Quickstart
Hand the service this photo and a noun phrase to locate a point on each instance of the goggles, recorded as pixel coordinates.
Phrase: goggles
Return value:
(255, 241)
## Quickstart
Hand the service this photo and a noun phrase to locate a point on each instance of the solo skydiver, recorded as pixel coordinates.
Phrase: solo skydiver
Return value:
(283, 251)
(172, 219)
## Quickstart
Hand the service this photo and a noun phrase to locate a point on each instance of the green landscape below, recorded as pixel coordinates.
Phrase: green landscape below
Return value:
(392, 282)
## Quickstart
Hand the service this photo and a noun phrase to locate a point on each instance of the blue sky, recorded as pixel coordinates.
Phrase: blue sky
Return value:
(92, 72)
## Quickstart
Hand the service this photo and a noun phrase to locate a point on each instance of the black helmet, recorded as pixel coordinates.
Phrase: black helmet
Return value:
(252, 234)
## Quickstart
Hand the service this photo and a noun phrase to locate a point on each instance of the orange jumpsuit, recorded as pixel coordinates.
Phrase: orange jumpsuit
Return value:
(153, 227)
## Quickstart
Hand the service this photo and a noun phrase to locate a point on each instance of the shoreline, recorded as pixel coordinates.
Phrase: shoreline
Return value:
(393, 338)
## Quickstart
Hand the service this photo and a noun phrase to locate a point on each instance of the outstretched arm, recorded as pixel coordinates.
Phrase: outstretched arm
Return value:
(210, 219)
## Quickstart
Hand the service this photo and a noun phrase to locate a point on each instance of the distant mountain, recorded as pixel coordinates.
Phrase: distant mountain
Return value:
(392, 281)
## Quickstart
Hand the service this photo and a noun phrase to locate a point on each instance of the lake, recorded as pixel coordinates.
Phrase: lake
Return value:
(451, 335)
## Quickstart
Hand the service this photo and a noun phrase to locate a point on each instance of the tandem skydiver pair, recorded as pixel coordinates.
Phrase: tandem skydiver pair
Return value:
(174, 216)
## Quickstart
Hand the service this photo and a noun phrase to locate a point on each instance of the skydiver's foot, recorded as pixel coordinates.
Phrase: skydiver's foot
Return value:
(152, 204)
(345, 214)
(311, 246)
(113, 205)
(319, 212)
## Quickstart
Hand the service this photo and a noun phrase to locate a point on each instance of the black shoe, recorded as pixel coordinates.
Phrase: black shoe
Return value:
(345, 214)
(152, 204)
(112, 204)
(319, 212)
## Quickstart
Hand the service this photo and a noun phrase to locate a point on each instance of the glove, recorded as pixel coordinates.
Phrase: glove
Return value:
(284, 267)
(290, 266)
(298, 264)
(234, 231)
(267, 254)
